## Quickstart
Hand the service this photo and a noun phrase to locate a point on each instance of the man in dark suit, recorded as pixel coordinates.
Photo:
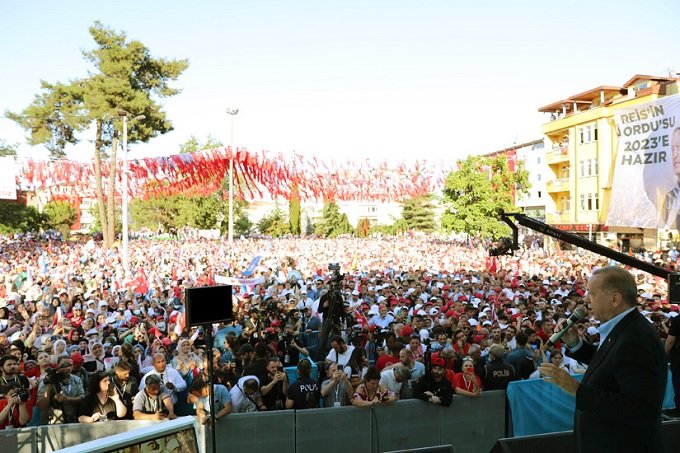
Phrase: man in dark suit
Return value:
(619, 400)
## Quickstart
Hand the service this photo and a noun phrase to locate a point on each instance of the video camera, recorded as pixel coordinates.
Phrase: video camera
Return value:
(52, 375)
(335, 277)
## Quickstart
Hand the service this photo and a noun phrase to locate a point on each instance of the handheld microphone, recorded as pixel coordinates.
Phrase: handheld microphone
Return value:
(575, 317)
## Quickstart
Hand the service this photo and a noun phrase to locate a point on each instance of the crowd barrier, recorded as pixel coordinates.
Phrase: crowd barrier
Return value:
(470, 425)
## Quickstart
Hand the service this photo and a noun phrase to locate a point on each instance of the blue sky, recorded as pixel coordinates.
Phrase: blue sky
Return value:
(353, 79)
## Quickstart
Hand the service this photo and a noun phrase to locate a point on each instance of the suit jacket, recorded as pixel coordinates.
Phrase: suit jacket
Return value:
(619, 401)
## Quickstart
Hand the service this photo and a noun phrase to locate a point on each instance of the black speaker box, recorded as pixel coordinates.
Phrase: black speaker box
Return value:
(674, 288)
(208, 305)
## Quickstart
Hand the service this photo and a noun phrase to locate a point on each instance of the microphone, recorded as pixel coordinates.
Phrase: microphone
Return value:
(575, 317)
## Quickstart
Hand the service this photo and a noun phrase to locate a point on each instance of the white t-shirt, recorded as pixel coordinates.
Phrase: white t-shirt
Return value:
(388, 379)
(340, 359)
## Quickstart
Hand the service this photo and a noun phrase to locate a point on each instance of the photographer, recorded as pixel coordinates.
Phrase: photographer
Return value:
(336, 390)
(288, 348)
(332, 307)
(15, 408)
(274, 385)
(9, 371)
(150, 403)
(60, 394)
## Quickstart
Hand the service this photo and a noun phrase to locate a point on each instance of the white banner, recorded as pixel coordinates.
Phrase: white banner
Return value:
(646, 186)
(8, 178)
(233, 281)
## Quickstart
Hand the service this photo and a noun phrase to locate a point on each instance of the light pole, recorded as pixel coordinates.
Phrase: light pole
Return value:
(124, 208)
(232, 113)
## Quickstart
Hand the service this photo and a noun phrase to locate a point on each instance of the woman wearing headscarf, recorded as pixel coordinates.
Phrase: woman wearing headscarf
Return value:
(94, 359)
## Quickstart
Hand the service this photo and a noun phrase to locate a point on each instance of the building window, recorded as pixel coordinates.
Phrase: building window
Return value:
(596, 201)
(566, 204)
(581, 169)
(538, 160)
(539, 194)
(582, 201)
(594, 167)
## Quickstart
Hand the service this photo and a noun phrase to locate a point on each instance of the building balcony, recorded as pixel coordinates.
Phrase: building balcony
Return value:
(558, 154)
(558, 217)
(557, 185)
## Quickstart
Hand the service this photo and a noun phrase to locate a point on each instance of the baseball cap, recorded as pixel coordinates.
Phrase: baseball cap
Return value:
(439, 362)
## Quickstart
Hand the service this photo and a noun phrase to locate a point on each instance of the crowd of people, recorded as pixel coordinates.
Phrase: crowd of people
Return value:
(82, 340)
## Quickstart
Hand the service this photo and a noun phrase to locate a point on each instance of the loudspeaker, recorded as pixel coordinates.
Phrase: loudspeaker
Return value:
(208, 305)
(674, 288)
(554, 443)
(434, 449)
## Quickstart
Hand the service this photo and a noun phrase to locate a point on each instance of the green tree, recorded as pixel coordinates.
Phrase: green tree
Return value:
(126, 81)
(16, 217)
(419, 214)
(158, 212)
(60, 215)
(294, 210)
(274, 224)
(242, 224)
(193, 144)
(397, 228)
(333, 222)
(7, 149)
(476, 193)
(309, 225)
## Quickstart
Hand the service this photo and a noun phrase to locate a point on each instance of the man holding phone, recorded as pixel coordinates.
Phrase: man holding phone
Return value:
(274, 385)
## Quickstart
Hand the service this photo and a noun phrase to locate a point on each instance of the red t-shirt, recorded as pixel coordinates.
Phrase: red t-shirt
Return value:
(13, 419)
(385, 360)
(459, 382)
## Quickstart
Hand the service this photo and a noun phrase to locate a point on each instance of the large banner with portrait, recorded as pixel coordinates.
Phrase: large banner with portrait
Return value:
(646, 185)
(8, 178)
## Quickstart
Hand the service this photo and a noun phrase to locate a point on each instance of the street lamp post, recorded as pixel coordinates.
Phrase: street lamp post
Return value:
(124, 207)
(232, 113)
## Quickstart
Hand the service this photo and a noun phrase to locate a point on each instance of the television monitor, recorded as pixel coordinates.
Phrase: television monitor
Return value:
(208, 305)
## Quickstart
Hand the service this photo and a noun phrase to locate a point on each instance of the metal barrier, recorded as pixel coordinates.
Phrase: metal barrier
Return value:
(470, 425)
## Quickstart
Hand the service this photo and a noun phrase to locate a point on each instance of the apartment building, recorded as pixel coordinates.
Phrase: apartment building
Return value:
(582, 139)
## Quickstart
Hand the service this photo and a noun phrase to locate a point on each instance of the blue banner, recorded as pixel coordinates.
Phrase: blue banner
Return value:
(253, 264)
(538, 407)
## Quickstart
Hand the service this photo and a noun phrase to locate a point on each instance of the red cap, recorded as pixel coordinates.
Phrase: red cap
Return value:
(439, 362)
(406, 331)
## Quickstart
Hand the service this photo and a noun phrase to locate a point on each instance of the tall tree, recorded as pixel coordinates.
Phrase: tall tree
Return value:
(419, 214)
(476, 193)
(126, 81)
(294, 210)
(333, 222)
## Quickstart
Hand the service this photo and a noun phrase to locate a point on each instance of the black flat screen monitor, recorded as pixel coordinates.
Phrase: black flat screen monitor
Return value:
(208, 305)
